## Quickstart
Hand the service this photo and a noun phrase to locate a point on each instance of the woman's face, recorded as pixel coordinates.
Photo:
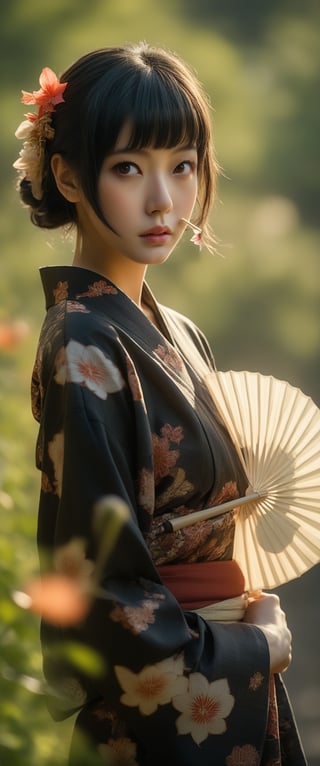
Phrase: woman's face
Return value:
(143, 194)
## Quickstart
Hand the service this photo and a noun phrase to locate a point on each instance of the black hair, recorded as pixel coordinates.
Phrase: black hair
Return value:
(151, 88)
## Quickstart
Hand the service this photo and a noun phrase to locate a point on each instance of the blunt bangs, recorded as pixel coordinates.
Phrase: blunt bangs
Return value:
(160, 113)
(162, 116)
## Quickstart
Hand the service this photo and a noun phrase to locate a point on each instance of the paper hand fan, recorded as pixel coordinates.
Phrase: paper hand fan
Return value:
(276, 431)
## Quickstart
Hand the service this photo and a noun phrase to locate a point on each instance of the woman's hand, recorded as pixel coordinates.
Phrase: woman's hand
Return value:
(265, 612)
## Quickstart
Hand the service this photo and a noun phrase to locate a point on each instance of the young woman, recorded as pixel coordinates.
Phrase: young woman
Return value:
(121, 148)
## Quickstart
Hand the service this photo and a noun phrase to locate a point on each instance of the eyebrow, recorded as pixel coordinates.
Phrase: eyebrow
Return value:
(145, 152)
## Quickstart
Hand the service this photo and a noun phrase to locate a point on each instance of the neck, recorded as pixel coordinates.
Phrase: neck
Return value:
(127, 276)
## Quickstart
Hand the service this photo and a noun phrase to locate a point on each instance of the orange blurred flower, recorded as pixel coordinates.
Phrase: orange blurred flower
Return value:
(59, 599)
(13, 333)
(62, 597)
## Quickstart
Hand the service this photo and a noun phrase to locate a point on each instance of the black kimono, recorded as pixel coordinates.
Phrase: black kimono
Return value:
(124, 410)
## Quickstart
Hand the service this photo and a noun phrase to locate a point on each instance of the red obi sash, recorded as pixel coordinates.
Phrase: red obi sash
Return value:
(202, 583)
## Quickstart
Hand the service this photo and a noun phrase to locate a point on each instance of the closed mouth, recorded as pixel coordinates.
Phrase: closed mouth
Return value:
(157, 231)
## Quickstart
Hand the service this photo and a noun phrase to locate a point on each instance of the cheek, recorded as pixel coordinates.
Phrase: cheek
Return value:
(188, 197)
(194, 194)
(190, 189)
(112, 199)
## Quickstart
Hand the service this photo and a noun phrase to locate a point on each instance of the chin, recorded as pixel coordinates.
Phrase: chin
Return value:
(159, 257)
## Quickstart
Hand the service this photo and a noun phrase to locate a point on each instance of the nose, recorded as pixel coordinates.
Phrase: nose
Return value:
(158, 197)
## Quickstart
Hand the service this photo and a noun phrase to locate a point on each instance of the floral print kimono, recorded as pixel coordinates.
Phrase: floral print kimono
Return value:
(124, 410)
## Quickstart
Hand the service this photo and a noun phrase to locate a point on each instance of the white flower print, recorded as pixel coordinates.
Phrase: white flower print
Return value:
(56, 453)
(155, 684)
(204, 707)
(88, 366)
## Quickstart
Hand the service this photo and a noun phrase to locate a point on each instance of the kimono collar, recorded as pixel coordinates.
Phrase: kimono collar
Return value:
(62, 283)
(74, 283)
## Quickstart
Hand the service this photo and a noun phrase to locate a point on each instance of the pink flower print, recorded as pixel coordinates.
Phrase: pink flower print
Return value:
(256, 681)
(204, 707)
(73, 306)
(60, 292)
(172, 433)
(136, 619)
(98, 288)
(247, 755)
(146, 490)
(169, 356)
(119, 752)
(164, 457)
(89, 367)
(229, 491)
(155, 684)
(134, 382)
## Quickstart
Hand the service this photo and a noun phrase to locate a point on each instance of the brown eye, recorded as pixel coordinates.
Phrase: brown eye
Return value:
(126, 169)
(184, 168)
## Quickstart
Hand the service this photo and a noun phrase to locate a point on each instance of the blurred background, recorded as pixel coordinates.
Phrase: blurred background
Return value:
(257, 299)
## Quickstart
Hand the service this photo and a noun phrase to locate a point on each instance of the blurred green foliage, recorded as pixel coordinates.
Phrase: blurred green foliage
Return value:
(257, 299)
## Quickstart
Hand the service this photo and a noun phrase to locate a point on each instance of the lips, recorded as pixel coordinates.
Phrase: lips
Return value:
(157, 231)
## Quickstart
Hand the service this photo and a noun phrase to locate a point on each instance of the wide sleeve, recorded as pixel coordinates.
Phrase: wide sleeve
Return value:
(94, 441)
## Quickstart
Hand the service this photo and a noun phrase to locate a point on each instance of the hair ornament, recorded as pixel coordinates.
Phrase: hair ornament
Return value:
(197, 233)
(36, 129)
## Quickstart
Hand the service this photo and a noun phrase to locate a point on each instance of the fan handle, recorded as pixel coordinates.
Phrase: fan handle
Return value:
(207, 513)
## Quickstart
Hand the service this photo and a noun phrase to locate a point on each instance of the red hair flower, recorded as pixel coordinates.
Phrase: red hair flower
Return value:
(50, 93)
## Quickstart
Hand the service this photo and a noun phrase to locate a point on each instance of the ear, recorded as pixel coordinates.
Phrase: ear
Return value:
(65, 178)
